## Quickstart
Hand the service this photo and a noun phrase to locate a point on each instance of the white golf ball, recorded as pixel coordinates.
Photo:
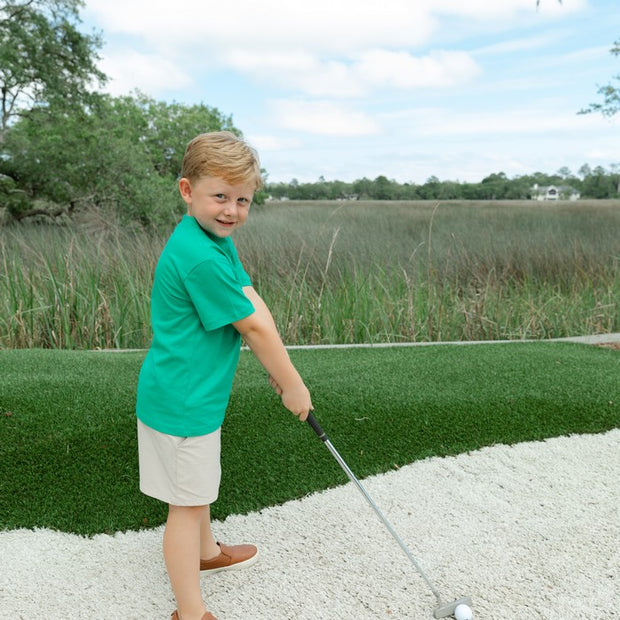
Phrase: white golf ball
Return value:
(463, 612)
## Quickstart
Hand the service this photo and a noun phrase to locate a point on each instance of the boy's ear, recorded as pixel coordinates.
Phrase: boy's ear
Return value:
(185, 188)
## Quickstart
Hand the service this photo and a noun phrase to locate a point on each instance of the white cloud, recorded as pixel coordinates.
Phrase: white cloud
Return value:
(374, 69)
(298, 71)
(320, 25)
(516, 45)
(602, 154)
(264, 143)
(323, 118)
(321, 48)
(402, 70)
(437, 122)
(483, 9)
(129, 70)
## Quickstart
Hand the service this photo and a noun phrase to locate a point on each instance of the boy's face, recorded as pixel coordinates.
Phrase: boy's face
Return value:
(220, 208)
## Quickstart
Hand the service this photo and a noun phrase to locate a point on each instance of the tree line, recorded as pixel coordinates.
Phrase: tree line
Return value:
(66, 147)
(589, 182)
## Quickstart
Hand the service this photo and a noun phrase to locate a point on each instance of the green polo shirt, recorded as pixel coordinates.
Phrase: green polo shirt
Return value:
(186, 378)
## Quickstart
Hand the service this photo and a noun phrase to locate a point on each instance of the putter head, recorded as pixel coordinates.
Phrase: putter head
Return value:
(447, 610)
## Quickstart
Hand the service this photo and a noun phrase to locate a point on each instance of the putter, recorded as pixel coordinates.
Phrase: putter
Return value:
(443, 610)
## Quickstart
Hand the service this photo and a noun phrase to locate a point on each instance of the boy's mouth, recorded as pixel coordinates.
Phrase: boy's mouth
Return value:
(224, 223)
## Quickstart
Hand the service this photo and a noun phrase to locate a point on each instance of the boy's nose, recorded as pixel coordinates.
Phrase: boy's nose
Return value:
(230, 206)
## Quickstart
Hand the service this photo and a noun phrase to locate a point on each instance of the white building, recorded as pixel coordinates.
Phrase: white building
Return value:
(554, 192)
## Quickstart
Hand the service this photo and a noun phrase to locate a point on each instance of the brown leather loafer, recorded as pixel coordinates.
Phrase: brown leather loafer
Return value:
(230, 557)
(207, 616)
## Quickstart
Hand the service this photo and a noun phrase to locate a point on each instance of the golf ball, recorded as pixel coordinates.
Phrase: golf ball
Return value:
(463, 612)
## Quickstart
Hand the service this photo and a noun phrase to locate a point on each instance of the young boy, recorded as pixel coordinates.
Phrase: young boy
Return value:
(202, 303)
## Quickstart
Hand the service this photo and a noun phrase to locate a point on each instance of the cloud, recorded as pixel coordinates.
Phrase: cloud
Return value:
(320, 49)
(382, 68)
(130, 70)
(602, 154)
(264, 143)
(516, 45)
(508, 124)
(483, 9)
(321, 25)
(368, 71)
(299, 72)
(323, 118)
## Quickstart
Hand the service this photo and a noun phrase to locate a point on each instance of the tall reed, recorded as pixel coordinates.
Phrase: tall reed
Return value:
(67, 288)
(338, 273)
(371, 272)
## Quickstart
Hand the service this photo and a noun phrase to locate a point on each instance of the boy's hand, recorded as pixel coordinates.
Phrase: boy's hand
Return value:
(297, 401)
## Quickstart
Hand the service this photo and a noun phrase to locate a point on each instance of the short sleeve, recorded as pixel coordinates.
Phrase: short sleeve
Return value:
(215, 287)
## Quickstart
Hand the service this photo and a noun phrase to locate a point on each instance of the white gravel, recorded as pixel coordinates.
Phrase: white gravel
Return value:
(530, 531)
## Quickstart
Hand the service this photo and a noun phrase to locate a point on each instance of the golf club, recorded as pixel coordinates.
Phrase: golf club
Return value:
(460, 608)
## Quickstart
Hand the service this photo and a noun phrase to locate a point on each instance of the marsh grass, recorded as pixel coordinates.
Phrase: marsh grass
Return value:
(338, 273)
(66, 288)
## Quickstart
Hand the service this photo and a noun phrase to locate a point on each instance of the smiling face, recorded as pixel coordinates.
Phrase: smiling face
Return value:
(219, 207)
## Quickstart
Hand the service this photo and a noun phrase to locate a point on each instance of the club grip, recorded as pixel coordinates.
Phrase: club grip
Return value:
(316, 427)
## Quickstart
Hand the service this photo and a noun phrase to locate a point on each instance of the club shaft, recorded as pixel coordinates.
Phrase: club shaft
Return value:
(388, 525)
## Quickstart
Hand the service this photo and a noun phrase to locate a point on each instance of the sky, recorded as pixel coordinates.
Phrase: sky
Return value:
(409, 89)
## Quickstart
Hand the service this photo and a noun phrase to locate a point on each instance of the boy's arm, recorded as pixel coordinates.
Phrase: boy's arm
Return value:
(261, 335)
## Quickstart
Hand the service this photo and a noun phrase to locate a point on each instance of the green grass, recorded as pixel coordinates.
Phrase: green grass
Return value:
(67, 426)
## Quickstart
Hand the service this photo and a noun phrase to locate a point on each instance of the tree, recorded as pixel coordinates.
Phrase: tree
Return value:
(495, 186)
(430, 189)
(170, 126)
(585, 171)
(565, 173)
(599, 184)
(381, 188)
(363, 188)
(611, 94)
(119, 153)
(43, 56)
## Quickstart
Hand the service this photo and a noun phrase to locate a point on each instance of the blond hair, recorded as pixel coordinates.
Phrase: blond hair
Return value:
(221, 154)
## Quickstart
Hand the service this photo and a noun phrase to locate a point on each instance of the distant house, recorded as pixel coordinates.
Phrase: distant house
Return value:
(554, 192)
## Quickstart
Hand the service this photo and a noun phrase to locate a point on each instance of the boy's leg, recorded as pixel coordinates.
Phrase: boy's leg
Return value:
(208, 544)
(182, 556)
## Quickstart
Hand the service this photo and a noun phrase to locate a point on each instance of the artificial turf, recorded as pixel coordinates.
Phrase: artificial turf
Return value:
(68, 442)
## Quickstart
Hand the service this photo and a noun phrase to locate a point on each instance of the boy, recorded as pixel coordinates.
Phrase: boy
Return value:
(202, 303)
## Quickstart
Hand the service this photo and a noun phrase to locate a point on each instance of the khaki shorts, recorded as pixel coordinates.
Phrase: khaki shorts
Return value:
(183, 471)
